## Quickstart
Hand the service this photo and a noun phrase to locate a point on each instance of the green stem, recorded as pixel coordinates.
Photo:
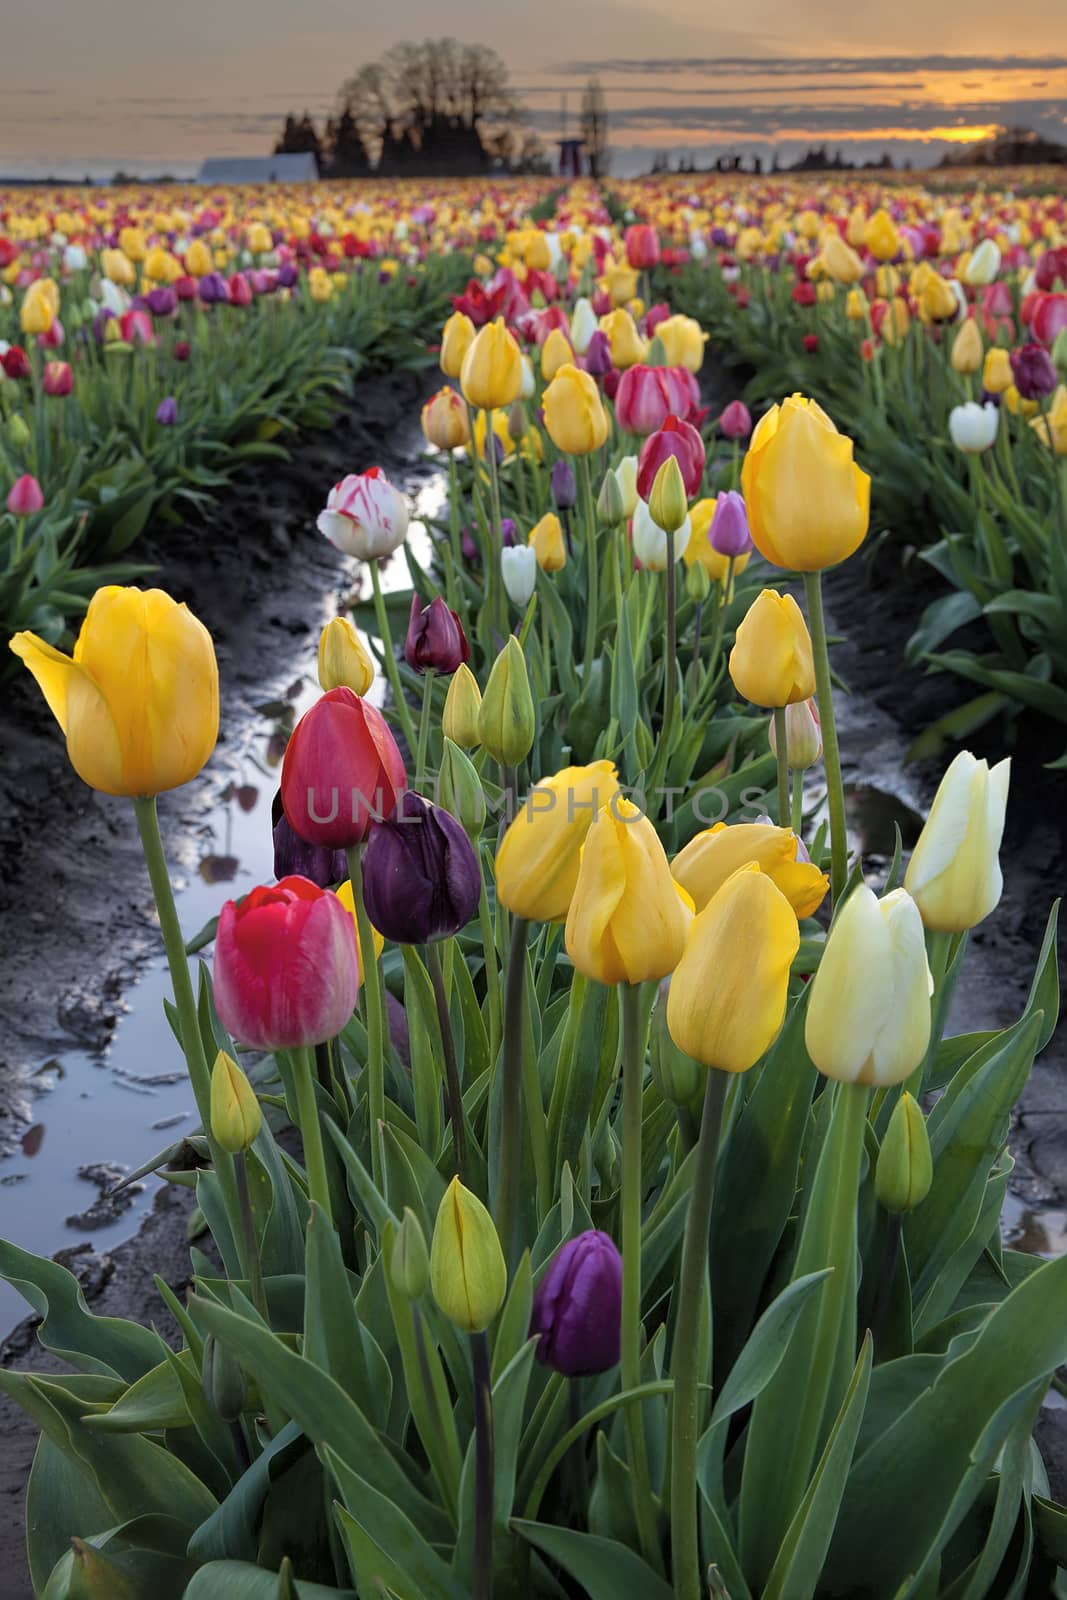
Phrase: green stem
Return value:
(796, 819)
(248, 1230)
(670, 686)
(835, 793)
(303, 1060)
(392, 671)
(507, 1195)
(685, 1350)
(633, 1065)
(492, 971)
(497, 609)
(482, 1578)
(374, 1014)
(453, 1087)
(592, 564)
(454, 523)
(424, 726)
(781, 747)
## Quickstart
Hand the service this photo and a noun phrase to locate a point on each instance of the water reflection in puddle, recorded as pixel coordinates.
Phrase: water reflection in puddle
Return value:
(102, 1113)
(1040, 1232)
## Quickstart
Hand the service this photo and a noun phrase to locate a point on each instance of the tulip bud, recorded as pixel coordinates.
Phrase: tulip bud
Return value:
(518, 569)
(954, 873)
(610, 508)
(507, 721)
(771, 662)
(736, 421)
(25, 497)
(967, 352)
(667, 500)
(997, 373)
(679, 1079)
(516, 424)
(457, 336)
(905, 1168)
(409, 1264)
(564, 488)
(803, 736)
(344, 660)
(18, 432)
(459, 789)
(547, 542)
(468, 1276)
(223, 1380)
(459, 720)
(435, 638)
(420, 875)
(92, 1577)
(577, 1309)
(697, 582)
(235, 1113)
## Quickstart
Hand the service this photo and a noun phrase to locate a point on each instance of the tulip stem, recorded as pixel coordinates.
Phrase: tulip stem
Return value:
(185, 1002)
(374, 1013)
(633, 1066)
(453, 1088)
(887, 1271)
(424, 728)
(482, 1577)
(835, 793)
(507, 1197)
(781, 748)
(685, 1348)
(492, 970)
(457, 599)
(670, 685)
(385, 633)
(592, 566)
(248, 1229)
(307, 1109)
(796, 819)
(497, 609)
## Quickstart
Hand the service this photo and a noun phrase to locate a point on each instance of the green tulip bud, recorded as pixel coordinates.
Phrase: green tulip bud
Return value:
(1059, 352)
(467, 1272)
(92, 1576)
(698, 582)
(679, 1079)
(223, 1381)
(462, 705)
(18, 432)
(610, 509)
(905, 1170)
(235, 1113)
(667, 502)
(459, 789)
(516, 420)
(506, 720)
(409, 1263)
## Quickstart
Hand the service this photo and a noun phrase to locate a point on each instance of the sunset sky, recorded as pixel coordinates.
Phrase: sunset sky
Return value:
(90, 85)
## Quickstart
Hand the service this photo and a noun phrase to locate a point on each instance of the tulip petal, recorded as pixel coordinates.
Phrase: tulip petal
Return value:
(52, 669)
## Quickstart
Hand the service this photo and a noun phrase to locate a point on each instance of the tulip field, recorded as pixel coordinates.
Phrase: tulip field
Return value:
(594, 1191)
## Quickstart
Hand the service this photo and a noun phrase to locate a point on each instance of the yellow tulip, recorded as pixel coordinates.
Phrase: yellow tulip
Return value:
(347, 899)
(459, 720)
(728, 994)
(627, 345)
(198, 259)
(771, 662)
(937, 302)
(235, 1111)
(840, 261)
(621, 284)
(444, 420)
(457, 336)
(320, 285)
(628, 920)
(344, 660)
(716, 854)
(996, 373)
(1015, 403)
(537, 253)
(574, 412)
(556, 352)
(260, 239)
(684, 341)
(700, 549)
(967, 351)
(881, 237)
(139, 700)
(808, 503)
(132, 243)
(468, 1275)
(37, 314)
(491, 375)
(548, 543)
(856, 308)
(954, 872)
(1051, 429)
(537, 863)
(869, 1013)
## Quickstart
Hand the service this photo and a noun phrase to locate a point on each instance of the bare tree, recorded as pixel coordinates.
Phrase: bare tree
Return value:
(595, 129)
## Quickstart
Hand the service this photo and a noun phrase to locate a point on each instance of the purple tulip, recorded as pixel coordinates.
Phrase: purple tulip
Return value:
(294, 855)
(161, 302)
(435, 638)
(1033, 371)
(598, 354)
(470, 549)
(213, 289)
(507, 532)
(564, 488)
(577, 1309)
(728, 533)
(167, 413)
(421, 878)
(287, 275)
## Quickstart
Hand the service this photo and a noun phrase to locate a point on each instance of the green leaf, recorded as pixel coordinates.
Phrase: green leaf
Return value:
(91, 1344)
(61, 1500)
(236, 1580)
(151, 1404)
(941, 618)
(384, 1545)
(232, 1531)
(606, 1570)
(332, 1335)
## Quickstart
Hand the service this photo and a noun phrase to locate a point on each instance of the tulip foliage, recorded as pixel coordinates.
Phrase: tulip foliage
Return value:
(597, 1202)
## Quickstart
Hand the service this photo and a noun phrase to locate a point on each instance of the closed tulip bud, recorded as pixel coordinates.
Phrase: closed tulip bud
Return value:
(420, 874)
(92, 1577)
(435, 638)
(19, 435)
(564, 488)
(973, 428)
(25, 498)
(728, 994)
(58, 380)
(547, 542)
(463, 702)
(881, 237)
(626, 474)
(610, 506)
(583, 325)
(856, 308)
(682, 340)
(905, 1168)
(597, 359)
(139, 699)
(967, 351)
(235, 1113)
(167, 411)
(537, 863)
(808, 503)
(577, 1307)
(445, 422)
(680, 440)
(627, 345)
(714, 855)
(647, 396)
(516, 424)
(996, 373)
(728, 533)
(223, 1380)
(491, 375)
(628, 920)
(409, 1263)
(984, 265)
(938, 301)
(365, 515)
(344, 660)
(771, 662)
(1033, 371)
(679, 1079)
(869, 1014)
(803, 736)
(556, 352)
(507, 721)
(459, 789)
(954, 872)
(457, 337)
(1059, 351)
(840, 261)
(468, 1276)
(667, 500)
(736, 421)
(697, 579)
(574, 412)
(518, 569)
(341, 771)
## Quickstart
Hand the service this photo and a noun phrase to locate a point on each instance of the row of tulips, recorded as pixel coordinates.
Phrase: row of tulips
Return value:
(657, 1252)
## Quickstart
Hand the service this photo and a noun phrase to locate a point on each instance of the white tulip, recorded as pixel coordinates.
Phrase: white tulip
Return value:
(75, 258)
(626, 477)
(984, 265)
(650, 540)
(583, 325)
(954, 872)
(528, 387)
(518, 568)
(973, 427)
(365, 516)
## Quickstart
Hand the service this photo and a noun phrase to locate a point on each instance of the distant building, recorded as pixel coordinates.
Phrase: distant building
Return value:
(570, 157)
(259, 169)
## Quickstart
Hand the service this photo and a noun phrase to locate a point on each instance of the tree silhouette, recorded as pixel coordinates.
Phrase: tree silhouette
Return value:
(300, 137)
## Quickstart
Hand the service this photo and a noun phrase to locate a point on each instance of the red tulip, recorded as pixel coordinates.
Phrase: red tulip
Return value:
(25, 497)
(435, 637)
(286, 968)
(676, 439)
(1051, 269)
(136, 327)
(341, 772)
(240, 290)
(642, 246)
(15, 362)
(1049, 318)
(811, 343)
(647, 396)
(58, 378)
(803, 294)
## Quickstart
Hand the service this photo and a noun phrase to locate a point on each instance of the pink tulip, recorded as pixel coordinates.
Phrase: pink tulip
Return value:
(25, 497)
